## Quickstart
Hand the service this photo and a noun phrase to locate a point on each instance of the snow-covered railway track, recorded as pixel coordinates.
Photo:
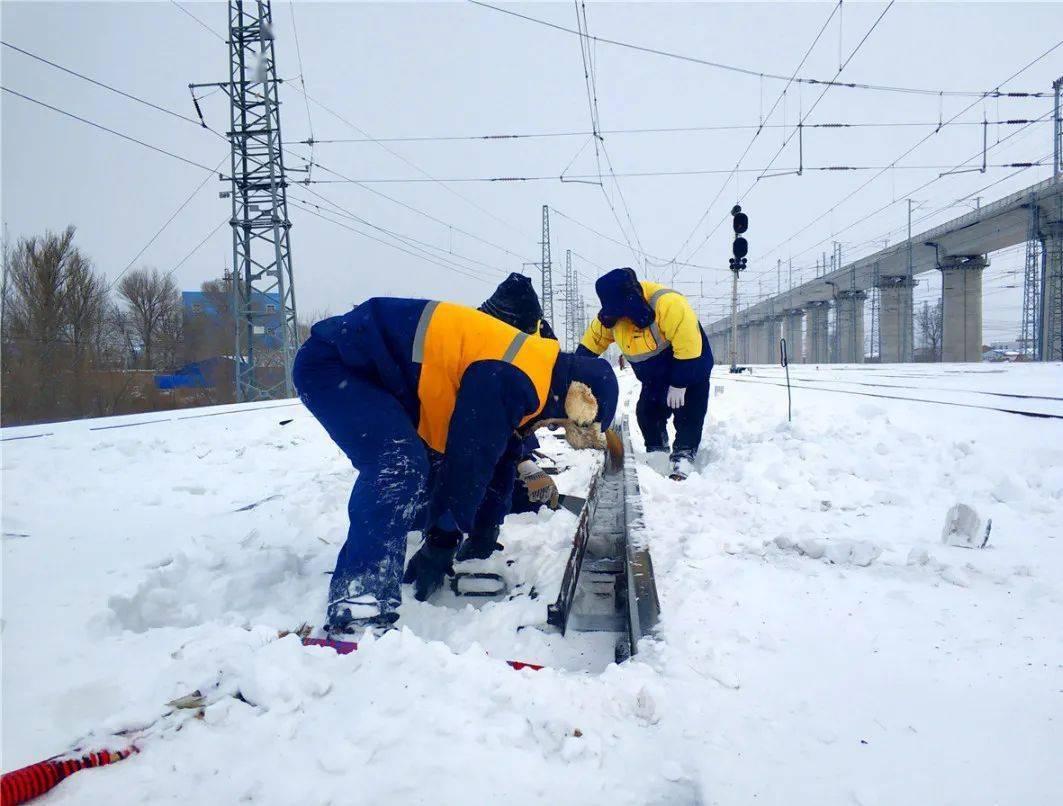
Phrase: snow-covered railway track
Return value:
(608, 585)
(1022, 412)
(921, 388)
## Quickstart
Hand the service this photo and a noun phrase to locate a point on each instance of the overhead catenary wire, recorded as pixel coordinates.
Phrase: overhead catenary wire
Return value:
(421, 249)
(635, 174)
(925, 216)
(442, 183)
(198, 246)
(106, 86)
(756, 133)
(723, 127)
(347, 180)
(198, 20)
(368, 138)
(912, 148)
(797, 129)
(605, 237)
(886, 206)
(761, 297)
(371, 237)
(302, 82)
(599, 141)
(760, 73)
(168, 221)
(101, 127)
(339, 209)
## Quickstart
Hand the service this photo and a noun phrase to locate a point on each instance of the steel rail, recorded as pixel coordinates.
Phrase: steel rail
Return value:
(608, 584)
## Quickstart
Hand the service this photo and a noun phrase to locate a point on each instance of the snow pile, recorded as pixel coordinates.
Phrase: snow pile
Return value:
(819, 643)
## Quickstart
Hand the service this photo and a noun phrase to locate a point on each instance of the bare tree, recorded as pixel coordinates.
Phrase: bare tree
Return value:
(54, 315)
(302, 327)
(930, 322)
(153, 303)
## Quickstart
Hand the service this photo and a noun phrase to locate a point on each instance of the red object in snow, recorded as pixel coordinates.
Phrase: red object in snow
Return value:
(341, 647)
(347, 647)
(21, 786)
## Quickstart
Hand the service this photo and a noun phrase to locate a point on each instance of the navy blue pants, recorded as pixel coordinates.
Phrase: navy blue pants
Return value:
(391, 491)
(652, 413)
(397, 473)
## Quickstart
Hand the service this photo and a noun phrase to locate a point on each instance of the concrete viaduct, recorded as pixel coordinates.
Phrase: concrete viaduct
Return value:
(959, 249)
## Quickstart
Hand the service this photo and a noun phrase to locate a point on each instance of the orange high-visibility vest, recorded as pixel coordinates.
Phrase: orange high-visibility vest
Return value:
(449, 339)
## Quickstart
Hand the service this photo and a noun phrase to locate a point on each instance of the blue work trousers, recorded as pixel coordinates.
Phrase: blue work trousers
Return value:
(395, 474)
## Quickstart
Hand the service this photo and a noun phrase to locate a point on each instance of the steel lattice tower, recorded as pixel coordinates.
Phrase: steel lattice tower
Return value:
(1031, 289)
(263, 290)
(1052, 289)
(875, 335)
(547, 287)
(570, 303)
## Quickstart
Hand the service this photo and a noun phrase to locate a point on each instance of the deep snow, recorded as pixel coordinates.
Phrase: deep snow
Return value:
(819, 644)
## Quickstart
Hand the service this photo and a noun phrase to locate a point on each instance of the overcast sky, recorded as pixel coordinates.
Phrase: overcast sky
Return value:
(452, 69)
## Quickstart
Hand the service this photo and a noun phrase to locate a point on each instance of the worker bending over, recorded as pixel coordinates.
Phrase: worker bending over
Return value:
(515, 303)
(658, 332)
(430, 401)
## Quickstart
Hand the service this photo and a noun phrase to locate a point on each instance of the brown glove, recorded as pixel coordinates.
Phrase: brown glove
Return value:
(541, 488)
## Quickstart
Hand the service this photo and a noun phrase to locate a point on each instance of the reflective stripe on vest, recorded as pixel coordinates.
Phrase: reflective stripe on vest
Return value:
(450, 338)
(662, 343)
(422, 328)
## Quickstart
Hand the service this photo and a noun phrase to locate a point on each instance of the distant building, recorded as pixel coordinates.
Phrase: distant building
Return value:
(997, 354)
(208, 311)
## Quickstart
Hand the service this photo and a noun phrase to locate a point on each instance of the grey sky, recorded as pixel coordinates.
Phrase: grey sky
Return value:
(456, 69)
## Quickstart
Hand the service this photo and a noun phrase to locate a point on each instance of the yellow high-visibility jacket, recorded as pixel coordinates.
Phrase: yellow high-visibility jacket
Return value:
(673, 348)
(449, 339)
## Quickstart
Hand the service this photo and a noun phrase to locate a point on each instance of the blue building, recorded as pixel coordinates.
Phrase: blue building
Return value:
(207, 309)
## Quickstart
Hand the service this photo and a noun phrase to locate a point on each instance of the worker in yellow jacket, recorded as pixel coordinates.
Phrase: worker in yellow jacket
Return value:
(657, 331)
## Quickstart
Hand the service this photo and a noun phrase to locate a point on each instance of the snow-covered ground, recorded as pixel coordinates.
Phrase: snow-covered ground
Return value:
(819, 643)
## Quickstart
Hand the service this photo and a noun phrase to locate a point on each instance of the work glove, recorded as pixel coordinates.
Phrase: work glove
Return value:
(433, 561)
(480, 545)
(676, 397)
(541, 488)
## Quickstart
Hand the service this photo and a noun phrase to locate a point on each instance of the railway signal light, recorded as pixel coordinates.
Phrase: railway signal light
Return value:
(739, 250)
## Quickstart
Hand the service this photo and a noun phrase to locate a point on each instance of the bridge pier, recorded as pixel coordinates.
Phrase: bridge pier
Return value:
(961, 295)
(895, 319)
(771, 339)
(1052, 306)
(761, 337)
(755, 340)
(792, 332)
(818, 347)
(743, 343)
(850, 324)
(720, 344)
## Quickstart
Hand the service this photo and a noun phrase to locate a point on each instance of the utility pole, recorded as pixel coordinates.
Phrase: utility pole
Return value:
(263, 287)
(547, 286)
(1030, 333)
(1057, 128)
(910, 352)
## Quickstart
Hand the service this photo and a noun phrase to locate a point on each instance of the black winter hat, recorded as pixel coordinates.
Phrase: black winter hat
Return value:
(621, 298)
(515, 303)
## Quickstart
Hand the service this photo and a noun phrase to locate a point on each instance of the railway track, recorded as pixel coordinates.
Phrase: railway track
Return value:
(1021, 412)
(608, 585)
(947, 390)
